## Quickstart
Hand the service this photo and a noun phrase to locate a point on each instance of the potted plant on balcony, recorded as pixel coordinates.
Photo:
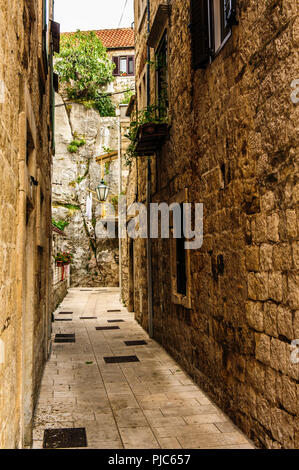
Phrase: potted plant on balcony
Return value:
(147, 133)
(63, 258)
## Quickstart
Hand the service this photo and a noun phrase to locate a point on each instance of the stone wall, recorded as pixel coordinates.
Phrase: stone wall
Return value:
(74, 174)
(234, 145)
(60, 291)
(25, 230)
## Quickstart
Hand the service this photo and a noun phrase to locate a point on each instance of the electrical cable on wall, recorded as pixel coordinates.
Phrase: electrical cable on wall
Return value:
(122, 15)
(103, 95)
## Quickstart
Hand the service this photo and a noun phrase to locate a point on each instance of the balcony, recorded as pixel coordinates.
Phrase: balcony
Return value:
(150, 138)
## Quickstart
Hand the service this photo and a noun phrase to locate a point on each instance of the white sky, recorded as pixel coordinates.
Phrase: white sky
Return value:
(93, 14)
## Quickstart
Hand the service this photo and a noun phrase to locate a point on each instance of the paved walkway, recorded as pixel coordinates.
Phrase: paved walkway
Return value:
(136, 405)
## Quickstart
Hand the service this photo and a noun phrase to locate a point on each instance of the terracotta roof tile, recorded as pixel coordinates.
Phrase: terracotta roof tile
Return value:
(114, 38)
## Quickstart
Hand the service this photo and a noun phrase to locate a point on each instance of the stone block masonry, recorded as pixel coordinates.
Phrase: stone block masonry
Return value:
(234, 145)
(25, 163)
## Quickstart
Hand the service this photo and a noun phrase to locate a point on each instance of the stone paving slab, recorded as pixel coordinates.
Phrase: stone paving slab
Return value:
(149, 404)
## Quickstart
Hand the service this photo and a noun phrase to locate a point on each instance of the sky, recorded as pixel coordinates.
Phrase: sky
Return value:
(93, 14)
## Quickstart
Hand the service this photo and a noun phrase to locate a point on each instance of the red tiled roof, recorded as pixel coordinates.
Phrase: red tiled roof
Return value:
(115, 38)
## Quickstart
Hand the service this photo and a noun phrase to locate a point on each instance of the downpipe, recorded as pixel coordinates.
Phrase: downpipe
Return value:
(148, 201)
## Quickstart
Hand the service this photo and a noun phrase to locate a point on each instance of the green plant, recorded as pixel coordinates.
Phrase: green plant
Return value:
(127, 96)
(63, 258)
(107, 168)
(84, 66)
(114, 202)
(76, 144)
(60, 224)
(148, 115)
(71, 207)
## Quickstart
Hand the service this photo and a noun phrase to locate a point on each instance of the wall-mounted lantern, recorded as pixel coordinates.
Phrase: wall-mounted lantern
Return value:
(102, 191)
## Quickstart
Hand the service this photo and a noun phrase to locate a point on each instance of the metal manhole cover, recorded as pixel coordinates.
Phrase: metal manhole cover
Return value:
(135, 343)
(64, 438)
(118, 359)
(107, 328)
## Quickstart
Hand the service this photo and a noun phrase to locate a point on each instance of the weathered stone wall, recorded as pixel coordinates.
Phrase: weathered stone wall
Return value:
(234, 144)
(60, 282)
(120, 83)
(73, 175)
(60, 291)
(25, 216)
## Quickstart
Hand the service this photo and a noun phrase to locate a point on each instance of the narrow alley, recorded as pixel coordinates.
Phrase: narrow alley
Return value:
(147, 404)
(149, 228)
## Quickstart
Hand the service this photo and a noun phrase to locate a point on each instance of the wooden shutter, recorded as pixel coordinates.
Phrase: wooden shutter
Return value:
(115, 59)
(199, 29)
(131, 65)
(55, 30)
(230, 13)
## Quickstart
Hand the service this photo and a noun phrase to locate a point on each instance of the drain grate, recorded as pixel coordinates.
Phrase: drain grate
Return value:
(115, 321)
(135, 343)
(63, 319)
(65, 338)
(110, 311)
(107, 328)
(65, 313)
(118, 359)
(64, 438)
(88, 318)
(65, 335)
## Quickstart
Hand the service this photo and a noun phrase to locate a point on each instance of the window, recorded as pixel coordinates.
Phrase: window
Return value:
(124, 65)
(211, 22)
(142, 90)
(162, 77)
(181, 278)
(180, 260)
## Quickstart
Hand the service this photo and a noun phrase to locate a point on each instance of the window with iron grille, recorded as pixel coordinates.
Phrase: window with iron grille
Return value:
(210, 28)
(124, 65)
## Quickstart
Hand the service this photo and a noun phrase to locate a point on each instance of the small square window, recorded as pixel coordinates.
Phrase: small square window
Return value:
(210, 27)
(124, 65)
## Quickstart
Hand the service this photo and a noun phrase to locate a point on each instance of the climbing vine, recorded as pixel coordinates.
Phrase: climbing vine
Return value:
(84, 66)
